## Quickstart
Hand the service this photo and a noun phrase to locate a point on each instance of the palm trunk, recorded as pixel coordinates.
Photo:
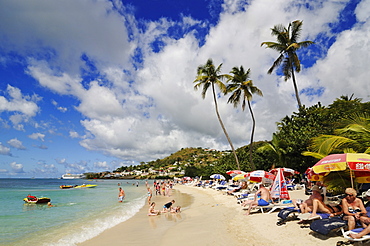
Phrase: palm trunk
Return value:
(252, 136)
(223, 127)
(296, 89)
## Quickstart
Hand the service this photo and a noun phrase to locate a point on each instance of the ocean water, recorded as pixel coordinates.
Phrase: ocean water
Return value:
(77, 215)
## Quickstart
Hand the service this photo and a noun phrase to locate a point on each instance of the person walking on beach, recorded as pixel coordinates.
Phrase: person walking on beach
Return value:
(168, 206)
(150, 194)
(121, 194)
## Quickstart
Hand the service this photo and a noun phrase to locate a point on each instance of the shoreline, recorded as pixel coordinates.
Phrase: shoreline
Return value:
(208, 217)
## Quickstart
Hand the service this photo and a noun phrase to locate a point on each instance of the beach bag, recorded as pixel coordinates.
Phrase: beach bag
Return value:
(324, 226)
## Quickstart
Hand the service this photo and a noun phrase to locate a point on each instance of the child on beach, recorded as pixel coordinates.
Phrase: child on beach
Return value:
(152, 211)
(168, 206)
(176, 209)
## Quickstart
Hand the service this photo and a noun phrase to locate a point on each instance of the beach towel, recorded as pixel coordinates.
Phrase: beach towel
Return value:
(284, 213)
(324, 226)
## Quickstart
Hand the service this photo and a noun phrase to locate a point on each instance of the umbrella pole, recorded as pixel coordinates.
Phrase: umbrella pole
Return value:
(350, 172)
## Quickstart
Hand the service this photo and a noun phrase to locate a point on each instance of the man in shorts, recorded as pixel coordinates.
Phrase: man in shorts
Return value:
(121, 194)
(264, 200)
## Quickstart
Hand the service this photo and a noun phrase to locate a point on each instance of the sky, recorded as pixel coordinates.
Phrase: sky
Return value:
(89, 86)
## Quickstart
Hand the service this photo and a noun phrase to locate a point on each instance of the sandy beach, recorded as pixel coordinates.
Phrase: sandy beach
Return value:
(208, 217)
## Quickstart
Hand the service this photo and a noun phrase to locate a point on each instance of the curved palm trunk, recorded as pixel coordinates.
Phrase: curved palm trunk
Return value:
(296, 89)
(223, 127)
(252, 136)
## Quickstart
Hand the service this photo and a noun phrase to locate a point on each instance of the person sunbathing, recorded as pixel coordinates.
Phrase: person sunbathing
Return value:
(306, 206)
(353, 208)
(264, 200)
(319, 206)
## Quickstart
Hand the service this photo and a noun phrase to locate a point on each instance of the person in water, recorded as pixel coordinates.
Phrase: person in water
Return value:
(121, 194)
(353, 208)
(150, 194)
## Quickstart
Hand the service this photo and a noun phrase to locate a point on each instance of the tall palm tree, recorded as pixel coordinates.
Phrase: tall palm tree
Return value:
(287, 44)
(242, 89)
(209, 76)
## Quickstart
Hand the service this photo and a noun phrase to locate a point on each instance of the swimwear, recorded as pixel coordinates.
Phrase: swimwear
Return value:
(120, 198)
(262, 202)
(167, 205)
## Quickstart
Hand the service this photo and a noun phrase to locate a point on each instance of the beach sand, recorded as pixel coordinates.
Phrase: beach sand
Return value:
(208, 217)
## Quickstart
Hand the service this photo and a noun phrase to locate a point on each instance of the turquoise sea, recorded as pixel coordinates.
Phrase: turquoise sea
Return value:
(77, 215)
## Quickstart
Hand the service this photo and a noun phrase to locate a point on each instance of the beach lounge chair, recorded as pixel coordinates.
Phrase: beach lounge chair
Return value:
(355, 231)
(325, 226)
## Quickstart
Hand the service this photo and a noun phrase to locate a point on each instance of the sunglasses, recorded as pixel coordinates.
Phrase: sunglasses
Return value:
(349, 194)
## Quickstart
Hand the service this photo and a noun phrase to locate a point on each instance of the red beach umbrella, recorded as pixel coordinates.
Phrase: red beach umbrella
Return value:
(287, 172)
(279, 188)
(312, 176)
(233, 173)
(258, 175)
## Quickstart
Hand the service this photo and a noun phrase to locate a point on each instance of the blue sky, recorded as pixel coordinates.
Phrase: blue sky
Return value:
(94, 85)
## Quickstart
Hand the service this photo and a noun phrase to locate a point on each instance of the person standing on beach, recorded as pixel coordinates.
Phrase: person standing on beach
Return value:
(150, 194)
(121, 194)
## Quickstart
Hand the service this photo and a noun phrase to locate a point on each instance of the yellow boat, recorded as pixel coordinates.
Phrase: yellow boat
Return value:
(85, 186)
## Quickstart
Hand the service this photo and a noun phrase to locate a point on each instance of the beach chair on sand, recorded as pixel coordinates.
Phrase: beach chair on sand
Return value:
(363, 239)
(325, 226)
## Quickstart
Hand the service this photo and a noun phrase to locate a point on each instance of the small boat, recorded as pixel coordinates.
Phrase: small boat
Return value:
(35, 200)
(85, 186)
(67, 186)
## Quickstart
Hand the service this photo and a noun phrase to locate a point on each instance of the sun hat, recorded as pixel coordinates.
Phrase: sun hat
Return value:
(316, 188)
(368, 192)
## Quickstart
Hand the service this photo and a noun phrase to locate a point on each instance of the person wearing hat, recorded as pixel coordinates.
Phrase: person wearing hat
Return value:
(306, 206)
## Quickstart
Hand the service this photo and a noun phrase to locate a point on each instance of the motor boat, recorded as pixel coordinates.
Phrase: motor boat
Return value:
(85, 186)
(67, 186)
(36, 200)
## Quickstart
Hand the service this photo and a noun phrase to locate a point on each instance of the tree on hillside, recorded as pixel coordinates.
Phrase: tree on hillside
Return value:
(287, 44)
(242, 90)
(209, 76)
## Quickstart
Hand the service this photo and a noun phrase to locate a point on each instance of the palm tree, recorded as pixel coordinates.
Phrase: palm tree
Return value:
(286, 45)
(209, 76)
(242, 89)
(354, 137)
(275, 146)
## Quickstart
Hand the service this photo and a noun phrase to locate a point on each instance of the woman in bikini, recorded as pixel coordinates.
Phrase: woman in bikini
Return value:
(353, 208)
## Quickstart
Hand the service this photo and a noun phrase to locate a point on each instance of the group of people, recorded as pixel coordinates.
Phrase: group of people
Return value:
(352, 208)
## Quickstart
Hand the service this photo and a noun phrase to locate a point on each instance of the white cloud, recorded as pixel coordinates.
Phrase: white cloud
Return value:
(15, 143)
(37, 136)
(4, 150)
(16, 168)
(25, 105)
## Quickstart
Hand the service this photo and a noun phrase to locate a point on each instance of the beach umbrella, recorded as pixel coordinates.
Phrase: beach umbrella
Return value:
(312, 176)
(217, 176)
(233, 173)
(287, 172)
(279, 187)
(240, 177)
(259, 175)
(356, 162)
